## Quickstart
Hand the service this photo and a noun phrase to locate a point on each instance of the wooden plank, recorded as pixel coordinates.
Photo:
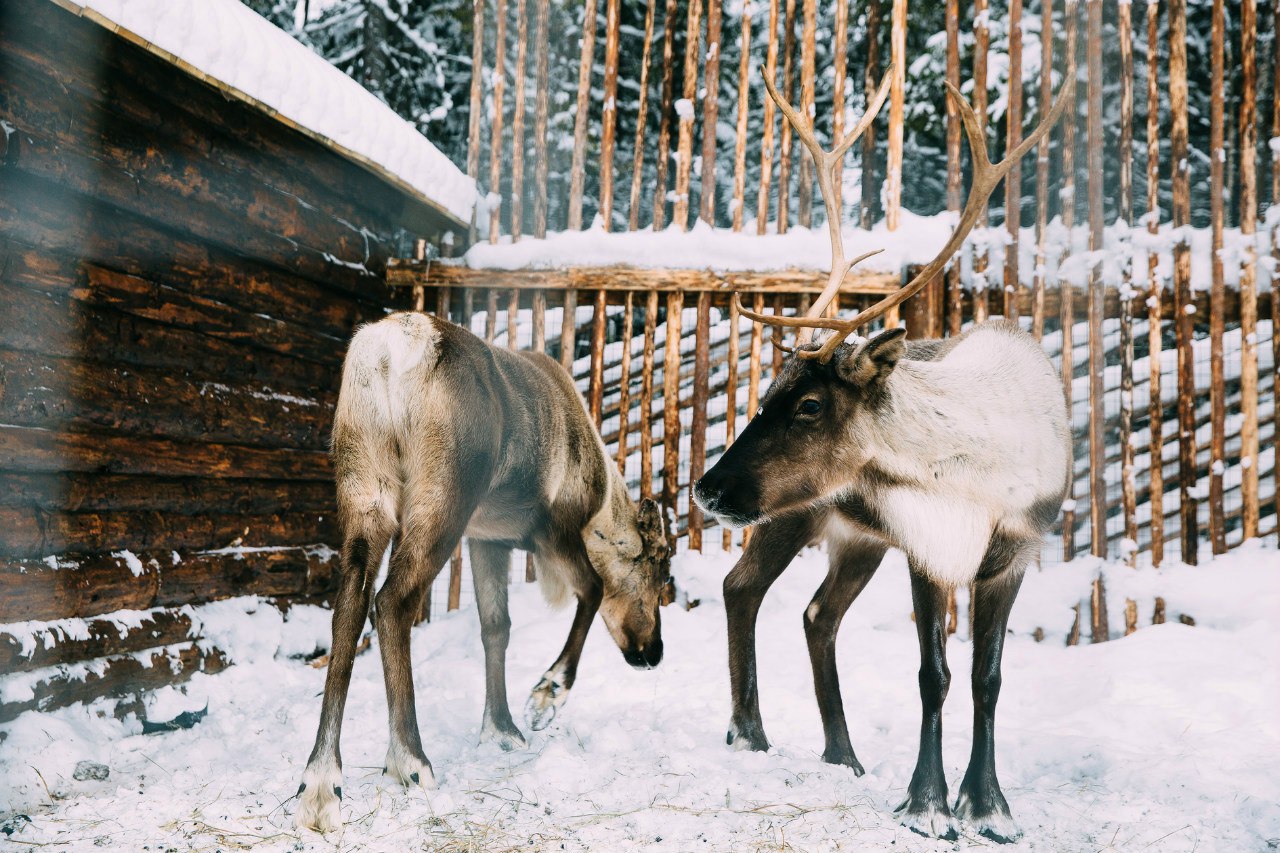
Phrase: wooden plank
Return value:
(490, 315)
(671, 407)
(622, 278)
(37, 451)
(568, 331)
(646, 395)
(777, 337)
(513, 319)
(1248, 147)
(1042, 170)
(596, 389)
(100, 638)
(1217, 325)
(981, 44)
(955, 287)
(804, 202)
(541, 108)
(495, 127)
(710, 114)
(609, 120)
(664, 120)
(784, 140)
(1013, 181)
(1097, 400)
(740, 129)
(84, 585)
(118, 676)
(1066, 289)
(870, 82)
(517, 124)
(684, 146)
(893, 168)
(1184, 321)
(624, 380)
(698, 430)
(1155, 291)
(578, 170)
(454, 600)
(642, 120)
(1128, 498)
(766, 138)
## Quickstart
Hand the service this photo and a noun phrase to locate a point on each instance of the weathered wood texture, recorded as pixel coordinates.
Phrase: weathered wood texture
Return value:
(179, 276)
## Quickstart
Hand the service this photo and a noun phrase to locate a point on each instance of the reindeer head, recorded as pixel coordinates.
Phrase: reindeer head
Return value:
(635, 572)
(807, 440)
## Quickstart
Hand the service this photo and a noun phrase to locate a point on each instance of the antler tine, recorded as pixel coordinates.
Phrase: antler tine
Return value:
(986, 175)
(873, 110)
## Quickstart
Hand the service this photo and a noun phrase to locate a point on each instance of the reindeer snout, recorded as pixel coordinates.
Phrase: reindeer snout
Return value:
(727, 497)
(644, 657)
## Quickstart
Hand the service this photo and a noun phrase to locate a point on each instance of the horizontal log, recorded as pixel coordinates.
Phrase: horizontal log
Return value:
(27, 450)
(117, 676)
(89, 585)
(55, 323)
(409, 273)
(179, 273)
(94, 492)
(70, 395)
(31, 532)
(129, 632)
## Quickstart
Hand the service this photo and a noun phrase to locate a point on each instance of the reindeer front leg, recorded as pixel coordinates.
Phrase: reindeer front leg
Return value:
(553, 689)
(773, 546)
(491, 567)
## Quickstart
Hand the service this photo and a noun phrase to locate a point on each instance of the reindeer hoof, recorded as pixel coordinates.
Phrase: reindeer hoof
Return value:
(931, 821)
(544, 700)
(412, 771)
(846, 758)
(319, 798)
(746, 738)
(994, 822)
(507, 736)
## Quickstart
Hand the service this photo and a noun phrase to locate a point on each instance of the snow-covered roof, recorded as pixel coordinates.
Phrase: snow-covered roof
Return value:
(229, 45)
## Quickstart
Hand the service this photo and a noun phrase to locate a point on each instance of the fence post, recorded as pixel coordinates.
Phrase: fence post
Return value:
(642, 115)
(609, 122)
(517, 124)
(671, 410)
(580, 117)
(766, 139)
(684, 160)
(710, 115)
(1097, 294)
(1066, 292)
(1128, 485)
(804, 201)
(1042, 170)
(955, 288)
(477, 91)
(698, 431)
(1217, 291)
(495, 132)
(540, 121)
(1013, 181)
(981, 44)
(784, 141)
(646, 395)
(664, 121)
(897, 56)
(624, 381)
(1155, 290)
(1248, 272)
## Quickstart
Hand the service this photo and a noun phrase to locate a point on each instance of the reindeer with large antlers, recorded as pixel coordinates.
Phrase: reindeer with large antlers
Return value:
(957, 452)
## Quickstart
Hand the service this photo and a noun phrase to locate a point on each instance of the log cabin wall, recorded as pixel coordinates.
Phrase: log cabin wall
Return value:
(179, 275)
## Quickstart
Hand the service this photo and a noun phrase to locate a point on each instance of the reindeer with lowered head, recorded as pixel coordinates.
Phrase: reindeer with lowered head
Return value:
(957, 452)
(437, 434)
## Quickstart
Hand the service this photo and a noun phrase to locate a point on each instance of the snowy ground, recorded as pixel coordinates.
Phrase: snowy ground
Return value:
(1167, 740)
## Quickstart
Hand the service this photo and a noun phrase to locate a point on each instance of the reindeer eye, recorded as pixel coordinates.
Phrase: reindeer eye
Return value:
(810, 407)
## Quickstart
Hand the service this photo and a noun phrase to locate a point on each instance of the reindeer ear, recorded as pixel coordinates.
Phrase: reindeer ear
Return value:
(649, 524)
(874, 360)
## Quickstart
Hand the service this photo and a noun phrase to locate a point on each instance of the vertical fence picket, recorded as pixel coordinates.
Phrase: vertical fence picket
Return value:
(595, 390)
(686, 115)
(698, 428)
(1013, 181)
(578, 168)
(1042, 171)
(766, 138)
(731, 395)
(981, 45)
(495, 128)
(569, 330)
(1184, 321)
(671, 409)
(539, 321)
(804, 200)
(784, 139)
(1066, 290)
(1128, 483)
(1248, 147)
(1097, 294)
(664, 120)
(740, 128)
(646, 394)
(1218, 288)
(710, 114)
(609, 121)
(1155, 336)
(624, 380)
(513, 319)
(541, 108)
(477, 91)
(893, 169)
(517, 123)
(490, 315)
(870, 81)
(839, 71)
(955, 287)
(642, 114)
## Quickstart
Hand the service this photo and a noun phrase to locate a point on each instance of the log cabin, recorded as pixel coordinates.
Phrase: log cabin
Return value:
(186, 244)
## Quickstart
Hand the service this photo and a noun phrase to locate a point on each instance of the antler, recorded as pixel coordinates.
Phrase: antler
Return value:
(828, 168)
(986, 176)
